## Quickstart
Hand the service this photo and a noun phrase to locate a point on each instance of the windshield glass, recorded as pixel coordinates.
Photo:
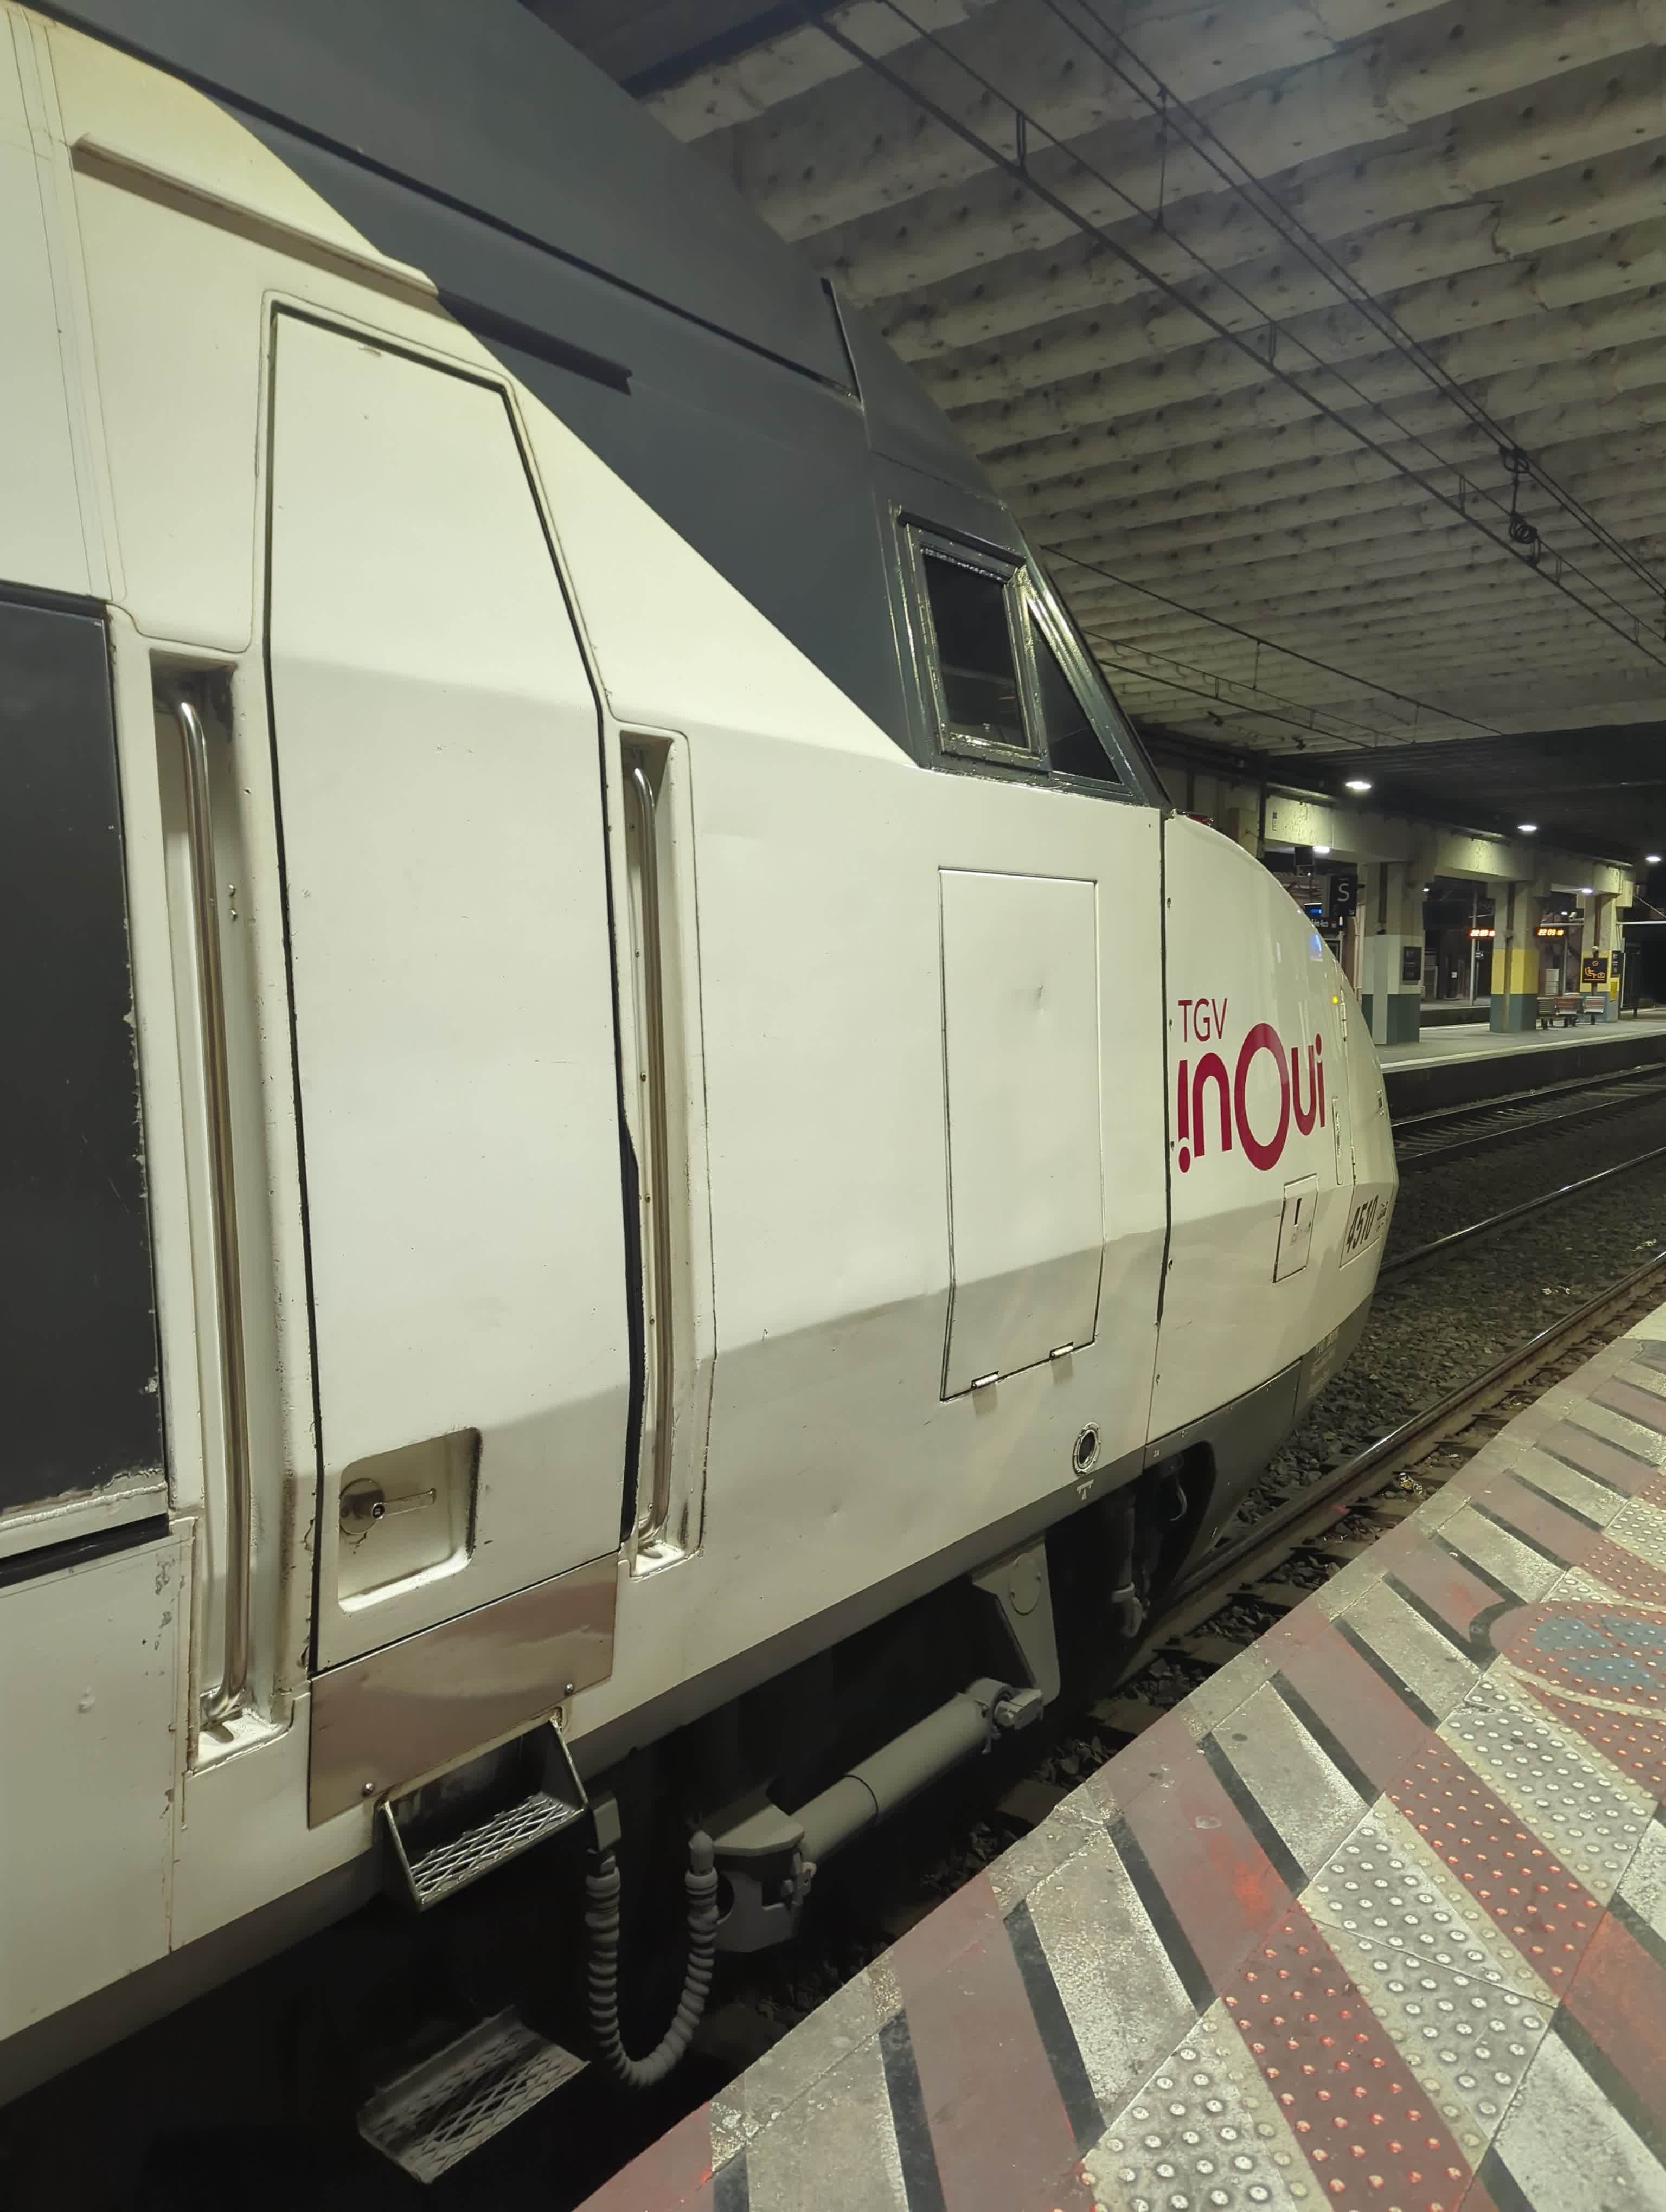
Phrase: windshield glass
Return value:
(1141, 772)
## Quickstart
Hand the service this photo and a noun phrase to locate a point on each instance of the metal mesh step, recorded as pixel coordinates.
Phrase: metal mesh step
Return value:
(429, 1854)
(477, 1851)
(440, 2111)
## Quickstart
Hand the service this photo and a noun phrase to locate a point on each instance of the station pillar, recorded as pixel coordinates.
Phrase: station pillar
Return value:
(1601, 936)
(1515, 960)
(1391, 953)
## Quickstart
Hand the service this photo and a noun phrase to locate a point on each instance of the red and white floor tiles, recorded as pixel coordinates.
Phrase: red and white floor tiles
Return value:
(1375, 1921)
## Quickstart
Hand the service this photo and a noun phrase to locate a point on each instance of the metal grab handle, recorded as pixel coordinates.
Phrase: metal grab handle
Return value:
(223, 1209)
(659, 1197)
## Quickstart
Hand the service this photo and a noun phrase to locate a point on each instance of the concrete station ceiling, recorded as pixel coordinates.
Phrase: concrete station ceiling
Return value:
(1270, 318)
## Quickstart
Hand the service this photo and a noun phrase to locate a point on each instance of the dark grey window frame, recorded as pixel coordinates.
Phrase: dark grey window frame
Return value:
(920, 543)
(1030, 611)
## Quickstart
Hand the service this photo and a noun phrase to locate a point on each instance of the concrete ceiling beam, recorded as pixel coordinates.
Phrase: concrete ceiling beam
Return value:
(1485, 324)
(1263, 570)
(1477, 290)
(781, 69)
(1339, 631)
(1478, 655)
(1585, 404)
(1405, 226)
(1225, 510)
(1614, 344)
(847, 149)
(1600, 470)
(1615, 101)
(1289, 610)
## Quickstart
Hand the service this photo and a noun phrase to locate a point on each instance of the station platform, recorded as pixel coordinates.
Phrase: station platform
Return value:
(1466, 1062)
(1375, 1918)
(1474, 1041)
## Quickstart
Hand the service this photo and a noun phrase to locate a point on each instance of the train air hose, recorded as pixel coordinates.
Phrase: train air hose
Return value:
(601, 1923)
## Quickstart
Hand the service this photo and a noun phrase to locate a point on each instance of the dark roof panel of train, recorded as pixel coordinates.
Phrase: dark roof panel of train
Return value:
(482, 104)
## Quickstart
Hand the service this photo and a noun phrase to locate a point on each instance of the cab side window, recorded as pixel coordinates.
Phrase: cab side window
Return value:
(975, 655)
(998, 661)
(1073, 744)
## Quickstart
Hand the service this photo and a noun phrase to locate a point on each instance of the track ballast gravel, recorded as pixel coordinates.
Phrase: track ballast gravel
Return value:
(1441, 1324)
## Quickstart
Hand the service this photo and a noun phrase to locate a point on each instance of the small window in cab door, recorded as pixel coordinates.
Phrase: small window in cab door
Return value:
(975, 655)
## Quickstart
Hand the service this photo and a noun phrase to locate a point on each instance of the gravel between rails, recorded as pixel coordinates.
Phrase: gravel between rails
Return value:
(1444, 1323)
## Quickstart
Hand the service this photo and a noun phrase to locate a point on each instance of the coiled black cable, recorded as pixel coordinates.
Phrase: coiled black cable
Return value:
(601, 1921)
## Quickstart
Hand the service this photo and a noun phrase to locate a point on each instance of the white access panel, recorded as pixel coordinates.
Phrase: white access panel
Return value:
(1021, 1054)
(439, 793)
(91, 1661)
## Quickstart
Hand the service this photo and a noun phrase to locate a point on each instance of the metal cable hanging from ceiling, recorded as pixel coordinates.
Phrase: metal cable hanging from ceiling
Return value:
(1143, 82)
(1419, 706)
(1208, 686)
(1628, 629)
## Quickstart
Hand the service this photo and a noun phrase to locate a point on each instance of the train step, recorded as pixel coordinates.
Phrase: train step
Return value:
(431, 1851)
(427, 2119)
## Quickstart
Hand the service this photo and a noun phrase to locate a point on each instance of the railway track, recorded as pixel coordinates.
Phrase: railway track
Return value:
(1282, 1559)
(1439, 1248)
(1447, 1132)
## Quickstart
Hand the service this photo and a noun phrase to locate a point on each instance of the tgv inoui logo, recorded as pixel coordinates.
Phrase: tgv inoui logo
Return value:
(1207, 1095)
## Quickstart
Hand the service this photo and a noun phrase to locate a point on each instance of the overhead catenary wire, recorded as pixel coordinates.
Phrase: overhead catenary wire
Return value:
(1629, 630)
(1144, 83)
(1145, 591)
(1203, 683)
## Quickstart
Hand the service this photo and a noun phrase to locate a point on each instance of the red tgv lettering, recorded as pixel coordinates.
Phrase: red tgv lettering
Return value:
(1232, 1098)
(1306, 1116)
(1262, 1038)
(1212, 1068)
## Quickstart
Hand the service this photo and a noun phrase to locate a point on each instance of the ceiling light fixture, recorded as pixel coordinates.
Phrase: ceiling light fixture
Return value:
(1586, 891)
(1357, 783)
(1526, 828)
(1322, 853)
(1653, 858)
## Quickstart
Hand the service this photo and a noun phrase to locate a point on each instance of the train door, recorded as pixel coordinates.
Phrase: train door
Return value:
(439, 777)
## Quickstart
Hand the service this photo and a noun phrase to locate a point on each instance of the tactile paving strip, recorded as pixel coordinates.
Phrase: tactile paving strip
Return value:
(1635, 1743)
(1368, 2128)
(1592, 1817)
(1204, 2135)
(1640, 1526)
(1546, 1913)
(1384, 1886)
(1469, 2042)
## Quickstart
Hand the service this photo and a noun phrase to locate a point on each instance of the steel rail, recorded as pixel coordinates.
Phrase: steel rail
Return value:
(1439, 1246)
(1320, 1507)
(1519, 1097)
(1527, 1124)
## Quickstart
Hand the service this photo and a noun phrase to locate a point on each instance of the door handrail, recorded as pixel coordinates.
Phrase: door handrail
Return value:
(659, 1107)
(232, 1686)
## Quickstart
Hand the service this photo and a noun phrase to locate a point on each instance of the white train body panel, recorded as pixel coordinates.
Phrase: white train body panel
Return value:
(933, 1214)
(1273, 1090)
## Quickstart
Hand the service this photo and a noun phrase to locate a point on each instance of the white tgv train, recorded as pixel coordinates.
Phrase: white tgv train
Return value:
(625, 1106)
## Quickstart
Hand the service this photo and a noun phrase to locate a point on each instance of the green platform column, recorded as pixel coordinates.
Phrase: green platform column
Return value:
(1516, 965)
(1601, 936)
